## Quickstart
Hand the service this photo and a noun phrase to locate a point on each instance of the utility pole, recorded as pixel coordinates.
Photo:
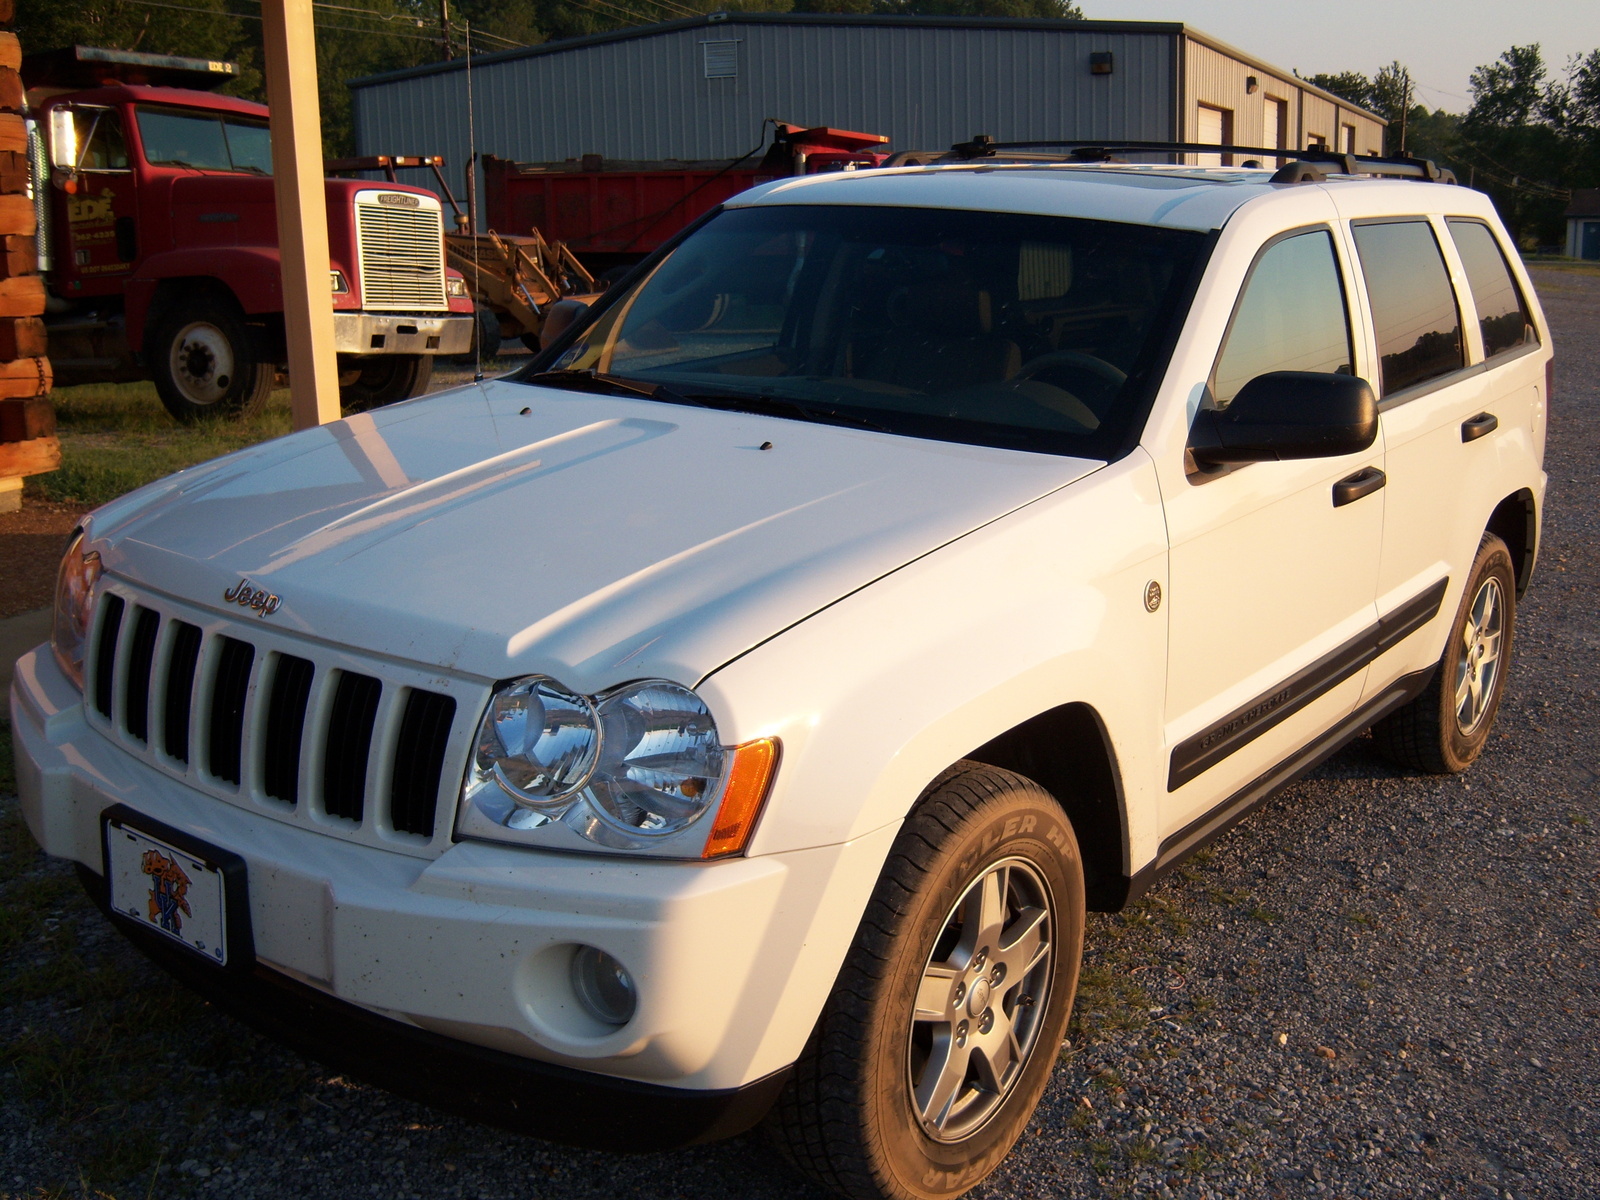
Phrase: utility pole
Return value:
(1405, 102)
(444, 28)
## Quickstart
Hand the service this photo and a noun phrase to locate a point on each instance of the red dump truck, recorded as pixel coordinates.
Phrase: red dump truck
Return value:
(158, 240)
(612, 212)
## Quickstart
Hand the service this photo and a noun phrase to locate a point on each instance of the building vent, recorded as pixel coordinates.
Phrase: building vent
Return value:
(722, 59)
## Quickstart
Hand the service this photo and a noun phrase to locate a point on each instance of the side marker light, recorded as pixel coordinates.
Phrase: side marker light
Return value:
(749, 780)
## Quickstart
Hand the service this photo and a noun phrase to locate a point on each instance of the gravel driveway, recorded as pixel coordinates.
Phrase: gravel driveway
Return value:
(1382, 984)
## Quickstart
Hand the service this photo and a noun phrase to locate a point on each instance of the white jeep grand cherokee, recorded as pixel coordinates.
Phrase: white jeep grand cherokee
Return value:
(733, 715)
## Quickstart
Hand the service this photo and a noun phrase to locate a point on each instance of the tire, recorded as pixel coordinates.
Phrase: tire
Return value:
(381, 379)
(1443, 730)
(865, 1112)
(205, 362)
(485, 338)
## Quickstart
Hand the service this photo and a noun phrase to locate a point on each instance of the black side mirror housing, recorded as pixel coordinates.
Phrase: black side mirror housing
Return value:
(1286, 415)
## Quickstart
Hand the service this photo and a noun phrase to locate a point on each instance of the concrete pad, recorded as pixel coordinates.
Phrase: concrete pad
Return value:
(18, 635)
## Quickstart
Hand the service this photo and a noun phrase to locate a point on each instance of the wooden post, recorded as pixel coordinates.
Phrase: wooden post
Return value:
(302, 209)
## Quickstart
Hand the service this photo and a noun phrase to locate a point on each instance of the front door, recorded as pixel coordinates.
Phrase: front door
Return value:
(99, 232)
(1273, 567)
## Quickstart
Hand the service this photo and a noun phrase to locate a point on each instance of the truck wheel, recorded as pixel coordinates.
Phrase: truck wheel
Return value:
(372, 382)
(1443, 730)
(205, 363)
(485, 336)
(944, 1023)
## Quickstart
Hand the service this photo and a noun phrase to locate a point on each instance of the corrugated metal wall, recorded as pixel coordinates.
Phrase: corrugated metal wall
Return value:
(1217, 80)
(648, 97)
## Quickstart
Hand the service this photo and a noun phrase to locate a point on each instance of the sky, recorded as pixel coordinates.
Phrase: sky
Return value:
(1440, 41)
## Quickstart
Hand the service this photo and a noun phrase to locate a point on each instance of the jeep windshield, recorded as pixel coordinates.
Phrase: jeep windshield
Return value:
(1003, 329)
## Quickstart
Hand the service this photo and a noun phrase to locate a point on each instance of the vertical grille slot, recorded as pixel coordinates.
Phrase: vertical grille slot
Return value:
(105, 652)
(349, 742)
(136, 683)
(185, 656)
(418, 761)
(234, 660)
(286, 721)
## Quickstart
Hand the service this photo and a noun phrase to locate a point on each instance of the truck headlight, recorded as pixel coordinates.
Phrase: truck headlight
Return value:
(75, 580)
(627, 769)
(455, 286)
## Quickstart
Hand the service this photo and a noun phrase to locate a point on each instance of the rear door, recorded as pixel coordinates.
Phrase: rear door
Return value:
(1446, 407)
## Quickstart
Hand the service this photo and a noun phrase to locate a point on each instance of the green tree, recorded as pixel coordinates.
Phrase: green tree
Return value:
(1347, 85)
(1512, 150)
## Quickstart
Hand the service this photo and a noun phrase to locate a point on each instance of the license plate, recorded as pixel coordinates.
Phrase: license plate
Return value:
(173, 885)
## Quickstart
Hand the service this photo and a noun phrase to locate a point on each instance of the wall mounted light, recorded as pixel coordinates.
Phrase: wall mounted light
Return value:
(1100, 62)
(1252, 85)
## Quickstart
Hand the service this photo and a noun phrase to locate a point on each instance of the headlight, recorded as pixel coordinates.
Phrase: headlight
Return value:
(456, 286)
(630, 769)
(74, 607)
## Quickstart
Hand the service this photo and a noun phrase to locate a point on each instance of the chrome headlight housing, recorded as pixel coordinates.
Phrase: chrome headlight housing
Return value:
(455, 286)
(631, 768)
(69, 631)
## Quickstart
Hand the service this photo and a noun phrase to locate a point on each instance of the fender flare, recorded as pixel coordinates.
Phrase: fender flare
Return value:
(253, 274)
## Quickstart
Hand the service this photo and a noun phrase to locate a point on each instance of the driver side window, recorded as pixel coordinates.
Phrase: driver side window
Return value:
(1291, 316)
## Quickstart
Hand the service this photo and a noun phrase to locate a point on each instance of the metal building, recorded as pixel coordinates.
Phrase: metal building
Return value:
(701, 89)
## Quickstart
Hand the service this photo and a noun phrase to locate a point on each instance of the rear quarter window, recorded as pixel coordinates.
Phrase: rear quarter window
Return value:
(1414, 308)
(1502, 312)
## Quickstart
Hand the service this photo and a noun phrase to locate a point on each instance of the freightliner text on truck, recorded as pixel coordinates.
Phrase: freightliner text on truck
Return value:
(159, 243)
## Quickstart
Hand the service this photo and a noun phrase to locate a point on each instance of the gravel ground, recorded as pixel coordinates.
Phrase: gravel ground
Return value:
(1383, 984)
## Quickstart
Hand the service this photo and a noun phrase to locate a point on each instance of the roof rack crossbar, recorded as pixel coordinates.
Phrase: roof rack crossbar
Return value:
(1398, 166)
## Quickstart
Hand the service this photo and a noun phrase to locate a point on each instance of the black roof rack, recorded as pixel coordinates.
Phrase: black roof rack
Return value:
(1311, 165)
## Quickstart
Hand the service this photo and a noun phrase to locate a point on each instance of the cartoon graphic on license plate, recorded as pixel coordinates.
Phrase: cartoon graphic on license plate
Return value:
(168, 890)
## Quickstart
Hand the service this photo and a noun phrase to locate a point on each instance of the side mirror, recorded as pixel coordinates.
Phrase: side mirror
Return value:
(1288, 414)
(558, 318)
(63, 139)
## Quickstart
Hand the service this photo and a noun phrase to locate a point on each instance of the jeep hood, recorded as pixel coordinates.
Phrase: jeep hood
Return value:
(503, 529)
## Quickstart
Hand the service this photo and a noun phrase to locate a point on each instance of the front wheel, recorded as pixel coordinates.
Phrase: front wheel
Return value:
(1443, 730)
(943, 1026)
(375, 380)
(205, 363)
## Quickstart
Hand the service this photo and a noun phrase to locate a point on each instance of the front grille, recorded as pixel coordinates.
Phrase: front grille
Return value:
(305, 733)
(400, 252)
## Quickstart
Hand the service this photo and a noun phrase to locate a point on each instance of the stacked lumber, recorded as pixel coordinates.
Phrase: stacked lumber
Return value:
(28, 445)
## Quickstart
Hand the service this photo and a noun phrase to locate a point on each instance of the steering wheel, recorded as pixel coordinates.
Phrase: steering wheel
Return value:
(1092, 380)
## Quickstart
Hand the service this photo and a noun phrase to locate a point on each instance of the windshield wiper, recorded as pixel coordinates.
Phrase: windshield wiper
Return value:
(780, 406)
(599, 381)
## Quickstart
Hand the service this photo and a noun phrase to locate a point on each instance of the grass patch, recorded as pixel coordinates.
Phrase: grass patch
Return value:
(116, 437)
(1577, 266)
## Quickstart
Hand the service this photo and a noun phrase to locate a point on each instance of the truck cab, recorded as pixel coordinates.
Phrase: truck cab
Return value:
(159, 243)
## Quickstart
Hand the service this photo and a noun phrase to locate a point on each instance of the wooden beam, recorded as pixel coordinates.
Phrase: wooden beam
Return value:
(296, 123)
(33, 457)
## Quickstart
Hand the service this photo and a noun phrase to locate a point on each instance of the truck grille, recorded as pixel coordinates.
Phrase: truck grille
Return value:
(275, 723)
(401, 257)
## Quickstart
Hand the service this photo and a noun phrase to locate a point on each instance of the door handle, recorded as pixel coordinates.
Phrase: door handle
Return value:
(1352, 487)
(1476, 427)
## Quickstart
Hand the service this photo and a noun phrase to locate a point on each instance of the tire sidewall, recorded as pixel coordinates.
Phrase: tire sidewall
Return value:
(1460, 749)
(221, 315)
(1028, 825)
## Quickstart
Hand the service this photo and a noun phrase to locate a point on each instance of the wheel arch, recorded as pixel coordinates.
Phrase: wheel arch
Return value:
(1067, 750)
(1515, 521)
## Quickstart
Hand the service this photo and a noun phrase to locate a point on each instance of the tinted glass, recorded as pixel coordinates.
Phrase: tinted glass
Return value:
(184, 139)
(997, 328)
(100, 135)
(250, 147)
(1413, 306)
(1291, 317)
(1501, 313)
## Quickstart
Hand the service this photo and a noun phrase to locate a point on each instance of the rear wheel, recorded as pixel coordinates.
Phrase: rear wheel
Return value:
(1443, 730)
(943, 1026)
(380, 379)
(205, 363)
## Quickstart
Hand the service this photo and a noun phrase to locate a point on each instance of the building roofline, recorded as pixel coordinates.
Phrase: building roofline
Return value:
(1585, 203)
(713, 20)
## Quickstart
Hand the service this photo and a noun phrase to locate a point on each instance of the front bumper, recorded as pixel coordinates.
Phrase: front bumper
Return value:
(475, 945)
(404, 333)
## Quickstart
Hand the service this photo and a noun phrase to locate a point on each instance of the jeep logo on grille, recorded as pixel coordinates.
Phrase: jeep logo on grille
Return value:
(247, 595)
(398, 200)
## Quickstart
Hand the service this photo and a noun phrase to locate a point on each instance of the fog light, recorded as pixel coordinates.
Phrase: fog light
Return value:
(604, 986)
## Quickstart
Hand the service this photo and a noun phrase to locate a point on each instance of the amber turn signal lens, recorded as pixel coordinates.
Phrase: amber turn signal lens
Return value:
(750, 773)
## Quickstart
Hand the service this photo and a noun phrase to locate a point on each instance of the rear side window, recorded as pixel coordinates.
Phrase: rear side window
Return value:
(1291, 317)
(1502, 315)
(1413, 305)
